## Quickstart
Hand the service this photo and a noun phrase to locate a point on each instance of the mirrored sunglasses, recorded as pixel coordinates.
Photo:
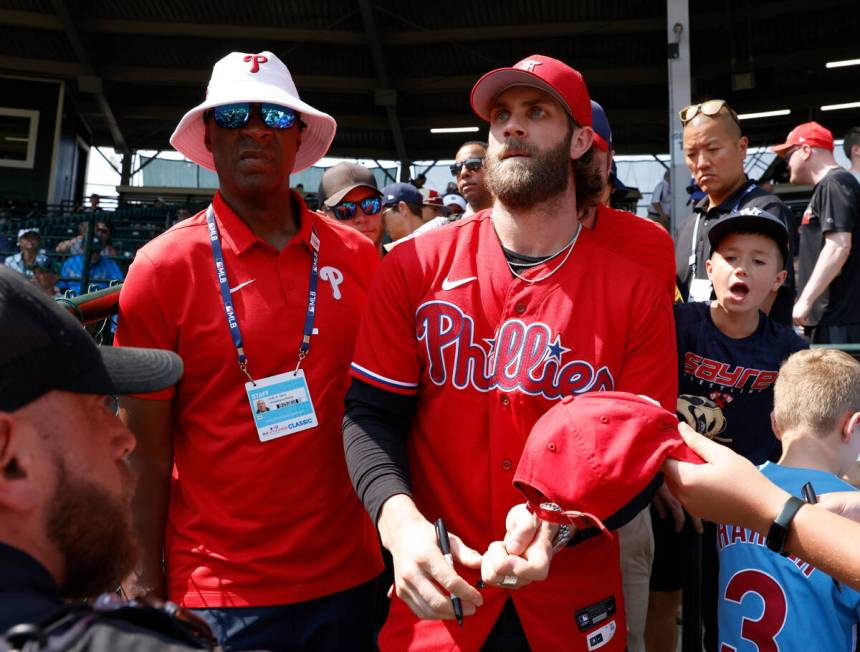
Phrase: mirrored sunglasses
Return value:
(709, 108)
(345, 210)
(471, 164)
(236, 116)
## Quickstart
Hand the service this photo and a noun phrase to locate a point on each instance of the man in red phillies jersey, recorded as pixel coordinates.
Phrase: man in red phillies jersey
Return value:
(488, 323)
(641, 241)
(247, 494)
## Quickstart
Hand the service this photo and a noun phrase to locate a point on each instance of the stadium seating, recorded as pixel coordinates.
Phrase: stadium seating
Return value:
(132, 226)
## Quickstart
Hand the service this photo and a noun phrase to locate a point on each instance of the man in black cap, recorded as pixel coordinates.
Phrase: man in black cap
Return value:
(65, 485)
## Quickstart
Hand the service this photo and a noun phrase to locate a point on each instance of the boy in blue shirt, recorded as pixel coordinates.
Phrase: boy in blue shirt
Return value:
(729, 355)
(766, 600)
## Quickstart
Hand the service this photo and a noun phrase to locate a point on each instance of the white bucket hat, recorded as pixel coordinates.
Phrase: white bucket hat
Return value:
(263, 78)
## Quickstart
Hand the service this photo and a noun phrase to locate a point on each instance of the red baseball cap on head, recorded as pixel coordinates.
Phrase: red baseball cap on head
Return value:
(809, 133)
(538, 71)
(433, 199)
(595, 453)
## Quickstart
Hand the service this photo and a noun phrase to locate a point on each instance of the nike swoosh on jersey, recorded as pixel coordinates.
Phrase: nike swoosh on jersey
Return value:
(450, 285)
(241, 285)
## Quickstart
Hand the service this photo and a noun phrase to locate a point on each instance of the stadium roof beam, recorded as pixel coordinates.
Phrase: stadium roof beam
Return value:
(90, 81)
(386, 96)
(597, 78)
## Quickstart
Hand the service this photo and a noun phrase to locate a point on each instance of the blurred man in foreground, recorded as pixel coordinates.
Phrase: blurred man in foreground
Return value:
(65, 484)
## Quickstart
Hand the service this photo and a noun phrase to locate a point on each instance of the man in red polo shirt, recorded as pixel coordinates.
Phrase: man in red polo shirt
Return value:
(246, 490)
(488, 323)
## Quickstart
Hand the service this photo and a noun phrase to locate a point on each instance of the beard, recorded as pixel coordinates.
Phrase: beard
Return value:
(92, 530)
(522, 183)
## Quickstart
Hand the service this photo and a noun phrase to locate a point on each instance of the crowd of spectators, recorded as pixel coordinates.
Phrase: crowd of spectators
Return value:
(381, 363)
(43, 243)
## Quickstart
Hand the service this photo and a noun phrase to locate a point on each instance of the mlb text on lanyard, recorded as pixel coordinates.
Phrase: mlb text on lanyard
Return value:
(281, 404)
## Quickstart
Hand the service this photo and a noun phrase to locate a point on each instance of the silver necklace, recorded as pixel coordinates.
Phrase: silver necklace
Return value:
(569, 247)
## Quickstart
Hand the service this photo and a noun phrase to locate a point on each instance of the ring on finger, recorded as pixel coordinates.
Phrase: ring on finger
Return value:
(509, 580)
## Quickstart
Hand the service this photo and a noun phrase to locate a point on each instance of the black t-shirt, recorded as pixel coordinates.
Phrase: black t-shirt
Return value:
(835, 207)
(749, 194)
(736, 374)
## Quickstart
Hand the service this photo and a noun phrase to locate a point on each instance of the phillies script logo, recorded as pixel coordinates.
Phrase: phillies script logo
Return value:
(255, 60)
(522, 357)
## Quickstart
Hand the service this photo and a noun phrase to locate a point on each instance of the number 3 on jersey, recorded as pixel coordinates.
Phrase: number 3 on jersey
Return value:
(760, 632)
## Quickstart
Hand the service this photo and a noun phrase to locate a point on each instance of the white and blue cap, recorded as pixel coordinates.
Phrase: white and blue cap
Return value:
(750, 220)
(26, 230)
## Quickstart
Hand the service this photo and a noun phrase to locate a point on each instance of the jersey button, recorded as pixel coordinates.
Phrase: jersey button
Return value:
(520, 308)
(507, 465)
(506, 401)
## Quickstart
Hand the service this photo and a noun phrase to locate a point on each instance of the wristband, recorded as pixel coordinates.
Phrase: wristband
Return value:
(778, 532)
(564, 533)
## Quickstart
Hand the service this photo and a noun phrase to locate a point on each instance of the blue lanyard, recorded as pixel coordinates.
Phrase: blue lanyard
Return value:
(230, 311)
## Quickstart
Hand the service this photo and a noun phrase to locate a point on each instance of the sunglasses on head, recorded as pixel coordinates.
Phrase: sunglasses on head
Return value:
(709, 108)
(345, 210)
(236, 116)
(471, 164)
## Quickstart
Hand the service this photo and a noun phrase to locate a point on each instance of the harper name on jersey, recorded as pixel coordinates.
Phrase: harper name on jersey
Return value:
(730, 535)
(769, 602)
(525, 357)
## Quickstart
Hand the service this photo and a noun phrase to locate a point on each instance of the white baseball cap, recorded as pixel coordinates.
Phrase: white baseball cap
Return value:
(452, 199)
(262, 78)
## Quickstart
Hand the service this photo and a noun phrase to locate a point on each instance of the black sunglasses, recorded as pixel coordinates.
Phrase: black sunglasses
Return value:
(472, 164)
(345, 210)
(236, 116)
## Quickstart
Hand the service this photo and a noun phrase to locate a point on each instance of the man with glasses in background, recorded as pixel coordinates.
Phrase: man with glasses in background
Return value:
(259, 526)
(715, 149)
(348, 193)
(468, 169)
(828, 306)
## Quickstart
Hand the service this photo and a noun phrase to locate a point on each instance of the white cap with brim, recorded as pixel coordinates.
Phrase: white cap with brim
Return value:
(262, 78)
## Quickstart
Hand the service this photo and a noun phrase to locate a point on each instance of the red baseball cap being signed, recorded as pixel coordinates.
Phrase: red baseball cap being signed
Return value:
(595, 453)
(538, 71)
(809, 133)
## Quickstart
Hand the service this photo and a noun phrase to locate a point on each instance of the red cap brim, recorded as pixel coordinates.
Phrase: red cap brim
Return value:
(496, 81)
(779, 150)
